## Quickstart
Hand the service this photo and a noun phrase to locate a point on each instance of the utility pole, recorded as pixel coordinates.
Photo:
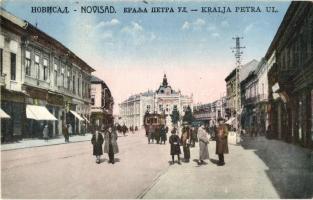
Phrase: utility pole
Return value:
(237, 52)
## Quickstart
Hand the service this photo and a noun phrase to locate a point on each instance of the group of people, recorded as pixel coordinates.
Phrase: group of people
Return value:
(124, 129)
(108, 136)
(157, 134)
(221, 134)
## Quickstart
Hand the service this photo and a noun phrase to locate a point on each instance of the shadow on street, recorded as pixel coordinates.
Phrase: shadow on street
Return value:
(290, 166)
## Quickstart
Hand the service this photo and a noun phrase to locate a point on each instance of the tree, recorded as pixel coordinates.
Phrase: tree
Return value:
(188, 117)
(175, 115)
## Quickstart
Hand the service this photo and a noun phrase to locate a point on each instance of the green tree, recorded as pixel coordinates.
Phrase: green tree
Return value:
(188, 117)
(175, 115)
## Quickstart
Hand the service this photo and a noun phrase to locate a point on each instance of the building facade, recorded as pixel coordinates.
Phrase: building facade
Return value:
(231, 97)
(40, 73)
(290, 77)
(101, 103)
(163, 100)
(210, 112)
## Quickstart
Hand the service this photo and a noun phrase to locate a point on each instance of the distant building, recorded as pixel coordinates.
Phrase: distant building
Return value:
(231, 97)
(163, 100)
(101, 103)
(210, 112)
(41, 81)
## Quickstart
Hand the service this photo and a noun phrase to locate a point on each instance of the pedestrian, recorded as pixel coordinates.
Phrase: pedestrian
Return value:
(203, 144)
(163, 134)
(175, 145)
(149, 133)
(65, 132)
(97, 141)
(70, 130)
(45, 133)
(185, 139)
(110, 145)
(157, 135)
(221, 141)
(124, 129)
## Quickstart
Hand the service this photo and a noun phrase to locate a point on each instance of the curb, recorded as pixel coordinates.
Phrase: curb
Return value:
(43, 145)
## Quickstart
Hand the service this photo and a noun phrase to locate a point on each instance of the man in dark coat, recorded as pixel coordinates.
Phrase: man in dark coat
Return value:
(163, 134)
(221, 141)
(65, 133)
(185, 139)
(110, 145)
(97, 141)
(124, 129)
(175, 145)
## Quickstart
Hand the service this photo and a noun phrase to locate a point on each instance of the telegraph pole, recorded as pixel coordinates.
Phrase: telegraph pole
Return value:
(237, 52)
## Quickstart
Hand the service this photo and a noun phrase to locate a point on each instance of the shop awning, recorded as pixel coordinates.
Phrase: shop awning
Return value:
(77, 115)
(3, 114)
(231, 121)
(86, 119)
(38, 113)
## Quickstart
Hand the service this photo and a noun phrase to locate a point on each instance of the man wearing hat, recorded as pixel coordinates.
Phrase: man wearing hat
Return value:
(185, 138)
(221, 140)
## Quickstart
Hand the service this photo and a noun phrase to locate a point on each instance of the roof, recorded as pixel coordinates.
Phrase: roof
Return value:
(244, 71)
(247, 68)
(95, 79)
(21, 23)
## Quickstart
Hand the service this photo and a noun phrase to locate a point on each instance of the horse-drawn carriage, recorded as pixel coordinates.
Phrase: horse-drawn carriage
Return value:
(153, 123)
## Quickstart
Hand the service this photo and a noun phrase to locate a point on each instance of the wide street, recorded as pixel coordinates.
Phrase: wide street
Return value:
(259, 168)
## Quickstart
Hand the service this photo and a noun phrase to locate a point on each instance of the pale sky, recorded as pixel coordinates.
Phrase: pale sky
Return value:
(131, 52)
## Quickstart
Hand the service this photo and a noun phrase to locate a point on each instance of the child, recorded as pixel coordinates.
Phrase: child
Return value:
(175, 145)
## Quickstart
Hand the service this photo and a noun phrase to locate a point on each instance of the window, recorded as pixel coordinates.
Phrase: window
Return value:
(68, 80)
(93, 100)
(148, 107)
(27, 63)
(161, 107)
(45, 69)
(13, 66)
(1, 61)
(74, 84)
(55, 76)
(63, 78)
(37, 66)
(78, 86)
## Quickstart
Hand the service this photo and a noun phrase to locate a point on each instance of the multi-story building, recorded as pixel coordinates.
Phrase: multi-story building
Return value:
(290, 77)
(163, 100)
(42, 82)
(101, 103)
(231, 86)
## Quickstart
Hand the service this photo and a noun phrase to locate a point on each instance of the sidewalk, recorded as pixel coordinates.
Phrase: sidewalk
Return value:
(28, 143)
(260, 168)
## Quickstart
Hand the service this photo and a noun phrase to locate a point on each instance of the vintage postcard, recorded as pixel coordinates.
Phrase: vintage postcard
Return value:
(166, 99)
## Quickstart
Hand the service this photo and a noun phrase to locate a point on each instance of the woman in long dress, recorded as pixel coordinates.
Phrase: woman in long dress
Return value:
(203, 144)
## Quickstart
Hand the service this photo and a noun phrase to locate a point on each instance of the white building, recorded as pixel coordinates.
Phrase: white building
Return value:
(163, 100)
